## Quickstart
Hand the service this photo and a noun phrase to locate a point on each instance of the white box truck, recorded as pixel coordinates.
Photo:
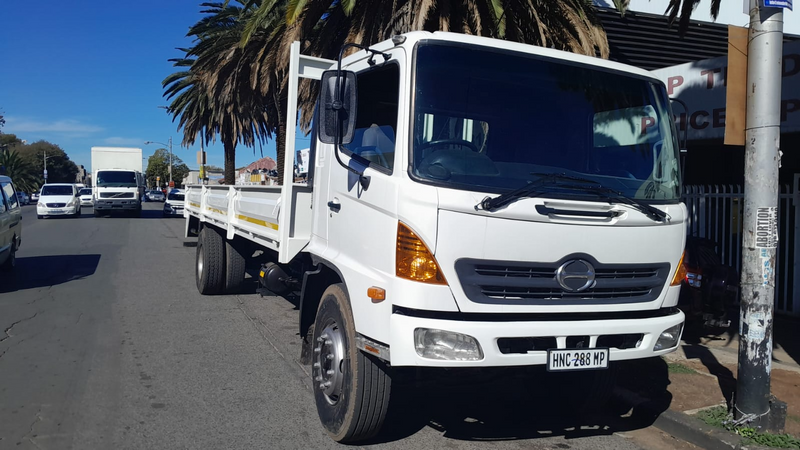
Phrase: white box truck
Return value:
(119, 184)
(471, 203)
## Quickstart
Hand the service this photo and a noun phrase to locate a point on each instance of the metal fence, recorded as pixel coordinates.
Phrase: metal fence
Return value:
(715, 212)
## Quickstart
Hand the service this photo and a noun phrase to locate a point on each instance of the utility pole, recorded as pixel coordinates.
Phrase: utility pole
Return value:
(760, 241)
(170, 161)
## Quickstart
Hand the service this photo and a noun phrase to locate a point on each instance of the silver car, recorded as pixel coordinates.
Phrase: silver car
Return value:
(155, 196)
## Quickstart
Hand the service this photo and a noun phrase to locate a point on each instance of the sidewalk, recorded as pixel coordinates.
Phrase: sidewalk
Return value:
(702, 373)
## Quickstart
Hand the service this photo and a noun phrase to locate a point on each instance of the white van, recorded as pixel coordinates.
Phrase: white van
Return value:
(58, 199)
(10, 224)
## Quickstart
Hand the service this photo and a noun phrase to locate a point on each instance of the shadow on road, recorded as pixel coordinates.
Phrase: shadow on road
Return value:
(516, 404)
(42, 271)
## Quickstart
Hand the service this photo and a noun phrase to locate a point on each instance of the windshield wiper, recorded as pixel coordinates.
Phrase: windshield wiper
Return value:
(618, 197)
(570, 182)
(560, 180)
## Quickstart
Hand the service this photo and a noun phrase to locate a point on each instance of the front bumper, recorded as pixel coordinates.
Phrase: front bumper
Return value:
(111, 204)
(488, 333)
(65, 211)
(86, 203)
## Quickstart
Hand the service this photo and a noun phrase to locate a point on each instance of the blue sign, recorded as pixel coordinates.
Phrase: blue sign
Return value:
(778, 4)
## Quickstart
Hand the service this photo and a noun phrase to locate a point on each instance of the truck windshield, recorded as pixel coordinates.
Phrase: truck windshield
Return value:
(486, 120)
(115, 178)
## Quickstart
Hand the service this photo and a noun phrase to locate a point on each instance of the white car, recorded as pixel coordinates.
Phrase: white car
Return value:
(58, 199)
(173, 206)
(86, 196)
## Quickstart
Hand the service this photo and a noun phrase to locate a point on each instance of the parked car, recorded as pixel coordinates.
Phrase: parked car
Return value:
(86, 197)
(155, 196)
(710, 288)
(59, 199)
(10, 224)
(174, 204)
(23, 198)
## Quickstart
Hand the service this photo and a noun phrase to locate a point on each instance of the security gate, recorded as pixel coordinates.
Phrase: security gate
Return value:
(715, 212)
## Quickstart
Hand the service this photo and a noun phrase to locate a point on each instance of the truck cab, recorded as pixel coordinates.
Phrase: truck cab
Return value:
(472, 203)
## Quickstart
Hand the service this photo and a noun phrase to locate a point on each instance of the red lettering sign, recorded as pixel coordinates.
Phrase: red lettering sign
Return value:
(789, 106)
(673, 82)
(694, 120)
(709, 74)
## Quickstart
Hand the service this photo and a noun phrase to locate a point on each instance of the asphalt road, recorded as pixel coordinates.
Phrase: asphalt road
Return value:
(105, 343)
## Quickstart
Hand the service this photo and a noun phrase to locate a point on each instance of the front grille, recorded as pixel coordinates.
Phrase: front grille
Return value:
(56, 205)
(116, 195)
(509, 282)
(523, 345)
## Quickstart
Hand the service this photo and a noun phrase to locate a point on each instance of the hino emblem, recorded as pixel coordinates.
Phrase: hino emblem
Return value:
(575, 275)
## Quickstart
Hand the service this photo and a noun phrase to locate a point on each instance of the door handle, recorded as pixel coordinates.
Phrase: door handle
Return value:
(334, 205)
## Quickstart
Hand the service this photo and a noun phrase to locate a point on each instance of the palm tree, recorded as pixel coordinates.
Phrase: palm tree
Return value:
(212, 97)
(324, 26)
(21, 172)
(682, 9)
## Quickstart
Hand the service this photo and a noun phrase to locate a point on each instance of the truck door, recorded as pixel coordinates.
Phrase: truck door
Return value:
(362, 223)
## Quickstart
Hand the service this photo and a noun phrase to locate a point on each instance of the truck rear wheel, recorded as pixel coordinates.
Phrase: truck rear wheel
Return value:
(210, 262)
(234, 268)
(351, 388)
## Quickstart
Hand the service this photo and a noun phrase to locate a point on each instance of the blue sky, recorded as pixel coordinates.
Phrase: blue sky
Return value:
(82, 74)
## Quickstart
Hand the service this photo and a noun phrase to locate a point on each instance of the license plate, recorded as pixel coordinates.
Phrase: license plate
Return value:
(57, 211)
(577, 359)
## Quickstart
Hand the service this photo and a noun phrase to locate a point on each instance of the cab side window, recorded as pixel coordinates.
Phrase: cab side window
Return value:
(10, 196)
(376, 120)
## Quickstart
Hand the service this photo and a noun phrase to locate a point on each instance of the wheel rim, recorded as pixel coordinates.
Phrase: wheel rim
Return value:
(329, 362)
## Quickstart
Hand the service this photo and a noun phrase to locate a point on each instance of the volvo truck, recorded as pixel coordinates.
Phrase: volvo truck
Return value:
(118, 181)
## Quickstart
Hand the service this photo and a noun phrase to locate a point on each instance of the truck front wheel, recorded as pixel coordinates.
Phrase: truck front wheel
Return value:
(210, 262)
(351, 388)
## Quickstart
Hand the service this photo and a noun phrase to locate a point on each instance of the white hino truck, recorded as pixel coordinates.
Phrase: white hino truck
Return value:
(117, 180)
(471, 203)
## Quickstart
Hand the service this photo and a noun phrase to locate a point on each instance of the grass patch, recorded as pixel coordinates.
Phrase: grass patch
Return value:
(719, 417)
(679, 368)
(793, 418)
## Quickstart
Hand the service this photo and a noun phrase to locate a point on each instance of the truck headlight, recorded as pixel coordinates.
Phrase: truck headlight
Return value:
(669, 338)
(446, 345)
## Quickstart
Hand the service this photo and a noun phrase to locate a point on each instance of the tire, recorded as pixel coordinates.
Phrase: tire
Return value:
(210, 262)
(352, 395)
(11, 262)
(39, 216)
(98, 213)
(234, 268)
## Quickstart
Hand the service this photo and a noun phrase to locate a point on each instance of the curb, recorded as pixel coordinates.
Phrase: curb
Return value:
(686, 427)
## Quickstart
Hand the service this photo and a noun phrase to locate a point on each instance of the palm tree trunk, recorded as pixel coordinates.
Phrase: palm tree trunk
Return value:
(280, 148)
(230, 162)
(280, 138)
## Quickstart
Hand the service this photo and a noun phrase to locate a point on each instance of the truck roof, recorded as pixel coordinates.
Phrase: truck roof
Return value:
(412, 38)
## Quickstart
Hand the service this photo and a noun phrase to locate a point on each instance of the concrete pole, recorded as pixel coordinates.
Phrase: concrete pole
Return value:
(759, 244)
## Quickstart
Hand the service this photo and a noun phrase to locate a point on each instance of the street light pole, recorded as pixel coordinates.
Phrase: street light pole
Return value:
(170, 160)
(170, 154)
(759, 246)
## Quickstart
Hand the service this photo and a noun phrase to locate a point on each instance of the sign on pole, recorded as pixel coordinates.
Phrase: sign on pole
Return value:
(778, 4)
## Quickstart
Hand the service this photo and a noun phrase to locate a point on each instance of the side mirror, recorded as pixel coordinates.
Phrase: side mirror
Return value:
(337, 112)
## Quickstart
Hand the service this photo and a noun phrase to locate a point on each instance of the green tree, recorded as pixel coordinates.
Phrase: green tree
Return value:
(158, 166)
(60, 169)
(22, 173)
(213, 97)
